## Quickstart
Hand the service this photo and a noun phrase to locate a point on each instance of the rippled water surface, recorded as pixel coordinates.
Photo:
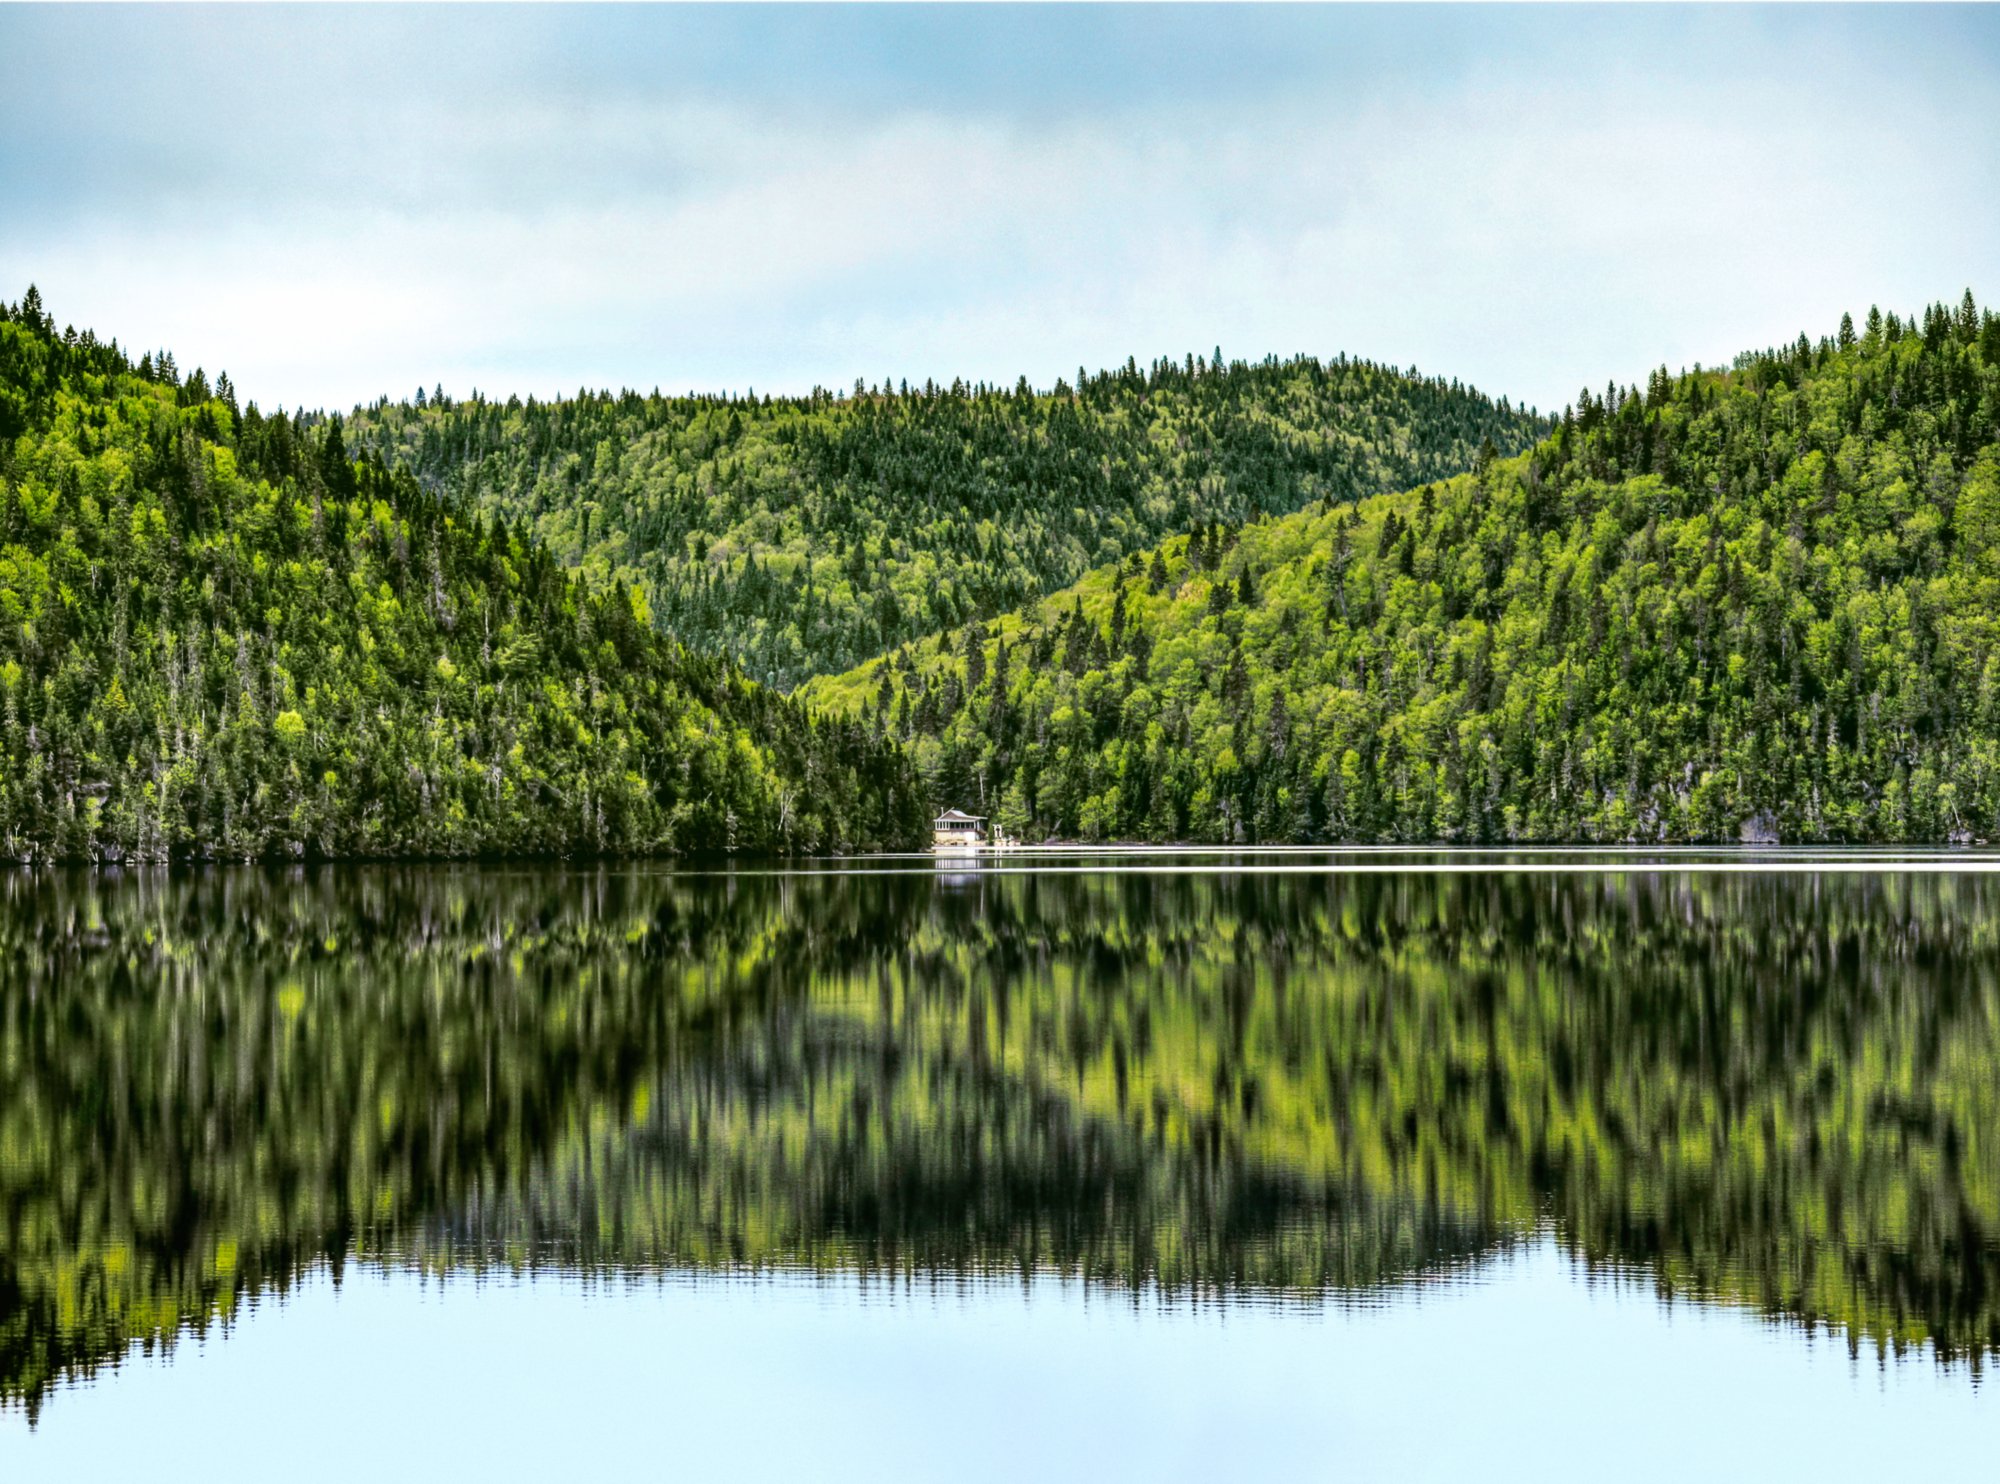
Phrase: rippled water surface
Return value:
(1354, 1165)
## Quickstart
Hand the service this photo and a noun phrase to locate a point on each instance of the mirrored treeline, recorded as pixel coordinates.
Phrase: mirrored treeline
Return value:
(1768, 1090)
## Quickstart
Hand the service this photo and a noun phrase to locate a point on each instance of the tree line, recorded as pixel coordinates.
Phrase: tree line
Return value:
(1750, 603)
(801, 535)
(223, 635)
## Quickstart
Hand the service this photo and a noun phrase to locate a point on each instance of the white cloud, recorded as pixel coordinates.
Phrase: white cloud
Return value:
(1524, 237)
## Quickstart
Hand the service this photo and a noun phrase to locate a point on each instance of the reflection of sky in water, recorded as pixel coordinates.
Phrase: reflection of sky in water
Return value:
(1520, 1370)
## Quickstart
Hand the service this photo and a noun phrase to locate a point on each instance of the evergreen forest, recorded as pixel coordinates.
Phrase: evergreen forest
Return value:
(222, 635)
(801, 536)
(1744, 603)
(1756, 603)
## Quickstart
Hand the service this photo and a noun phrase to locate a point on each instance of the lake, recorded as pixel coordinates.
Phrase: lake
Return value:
(1342, 1165)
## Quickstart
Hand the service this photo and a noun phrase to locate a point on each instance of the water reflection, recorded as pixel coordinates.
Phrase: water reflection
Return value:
(1773, 1090)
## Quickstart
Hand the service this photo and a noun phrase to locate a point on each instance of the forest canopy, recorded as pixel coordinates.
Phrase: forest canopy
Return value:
(1758, 603)
(1751, 603)
(803, 535)
(220, 635)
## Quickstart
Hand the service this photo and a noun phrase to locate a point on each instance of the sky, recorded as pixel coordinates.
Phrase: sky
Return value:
(337, 204)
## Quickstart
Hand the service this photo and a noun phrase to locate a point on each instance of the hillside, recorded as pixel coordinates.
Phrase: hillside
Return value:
(221, 637)
(803, 535)
(1754, 603)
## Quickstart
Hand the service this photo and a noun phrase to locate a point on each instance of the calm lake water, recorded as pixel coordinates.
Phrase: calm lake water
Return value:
(1347, 1166)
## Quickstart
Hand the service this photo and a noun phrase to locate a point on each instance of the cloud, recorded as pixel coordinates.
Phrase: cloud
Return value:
(1527, 227)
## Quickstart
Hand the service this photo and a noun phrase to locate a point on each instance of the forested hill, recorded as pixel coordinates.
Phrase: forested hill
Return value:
(803, 535)
(221, 637)
(1746, 604)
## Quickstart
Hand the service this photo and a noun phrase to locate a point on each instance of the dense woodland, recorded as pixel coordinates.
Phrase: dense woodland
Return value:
(804, 535)
(222, 636)
(1756, 603)
(1225, 1084)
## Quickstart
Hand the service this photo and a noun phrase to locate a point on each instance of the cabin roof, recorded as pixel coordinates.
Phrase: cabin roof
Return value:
(955, 814)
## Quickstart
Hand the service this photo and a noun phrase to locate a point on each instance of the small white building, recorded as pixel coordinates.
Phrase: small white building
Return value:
(956, 828)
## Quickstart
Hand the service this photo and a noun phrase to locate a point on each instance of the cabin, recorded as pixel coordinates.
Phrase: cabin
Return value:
(955, 828)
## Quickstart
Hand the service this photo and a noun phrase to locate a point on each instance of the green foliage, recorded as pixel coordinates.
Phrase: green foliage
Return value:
(803, 535)
(1235, 1084)
(1761, 603)
(221, 637)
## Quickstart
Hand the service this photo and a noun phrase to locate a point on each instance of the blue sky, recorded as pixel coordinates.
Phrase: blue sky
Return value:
(338, 203)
